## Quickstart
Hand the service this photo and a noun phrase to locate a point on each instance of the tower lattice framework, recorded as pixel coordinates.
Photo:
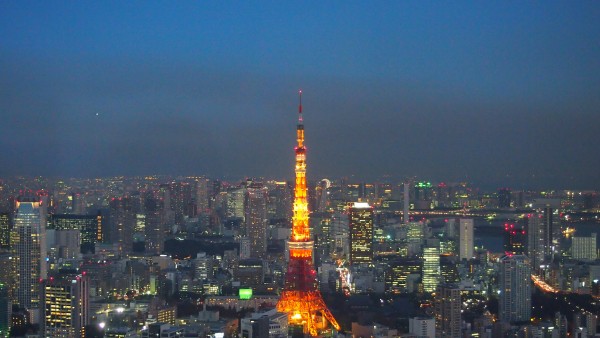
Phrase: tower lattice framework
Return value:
(301, 298)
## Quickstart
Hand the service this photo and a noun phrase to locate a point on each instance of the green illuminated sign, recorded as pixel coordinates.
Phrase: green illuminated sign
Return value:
(245, 293)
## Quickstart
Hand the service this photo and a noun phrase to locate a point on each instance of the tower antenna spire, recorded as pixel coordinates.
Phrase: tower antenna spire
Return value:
(300, 120)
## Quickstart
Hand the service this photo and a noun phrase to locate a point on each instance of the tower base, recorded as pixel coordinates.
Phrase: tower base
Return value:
(306, 308)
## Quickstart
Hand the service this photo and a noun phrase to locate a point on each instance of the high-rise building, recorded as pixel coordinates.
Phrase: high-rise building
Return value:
(406, 203)
(515, 240)
(280, 201)
(202, 195)
(122, 217)
(422, 327)
(361, 233)
(515, 289)
(431, 268)
(5, 310)
(87, 225)
(504, 198)
(449, 269)
(203, 266)
(543, 229)
(156, 228)
(447, 306)
(181, 200)
(27, 244)
(65, 305)
(256, 219)
(4, 230)
(397, 274)
(584, 248)
(465, 239)
(235, 203)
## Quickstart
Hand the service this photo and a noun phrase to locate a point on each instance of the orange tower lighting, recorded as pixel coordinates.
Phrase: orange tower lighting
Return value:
(301, 298)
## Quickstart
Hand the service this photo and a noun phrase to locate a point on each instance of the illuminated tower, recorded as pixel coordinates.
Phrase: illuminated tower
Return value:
(301, 298)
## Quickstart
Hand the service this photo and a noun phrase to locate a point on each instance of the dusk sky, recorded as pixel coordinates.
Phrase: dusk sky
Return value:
(498, 93)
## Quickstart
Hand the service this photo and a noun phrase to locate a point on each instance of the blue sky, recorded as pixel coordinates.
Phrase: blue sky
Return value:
(501, 93)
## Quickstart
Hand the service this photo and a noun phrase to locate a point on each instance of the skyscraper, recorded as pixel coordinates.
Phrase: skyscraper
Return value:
(447, 305)
(122, 217)
(584, 248)
(431, 268)
(543, 230)
(87, 225)
(515, 289)
(301, 298)
(361, 233)
(27, 245)
(504, 197)
(465, 239)
(255, 216)
(5, 310)
(156, 228)
(515, 240)
(65, 302)
(235, 203)
(4, 230)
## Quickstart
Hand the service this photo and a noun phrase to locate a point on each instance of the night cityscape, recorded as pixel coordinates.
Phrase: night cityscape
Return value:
(299, 169)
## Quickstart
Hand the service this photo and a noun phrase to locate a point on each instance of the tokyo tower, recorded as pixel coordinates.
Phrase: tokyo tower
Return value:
(301, 298)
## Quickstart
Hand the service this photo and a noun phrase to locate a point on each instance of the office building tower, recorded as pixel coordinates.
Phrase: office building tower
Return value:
(76, 204)
(431, 268)
(447, 307)
(250, 273)
(255, 217)
(449, 269)
(89, 226)
(202, 195)
(423, 195)
(515, 240)
(181, 200)
(245, 248)
(504, 198)
(280, 202)
(27, 244)
(406, 203)
(361, 233)
(65, 305)
(322, 195)
(515, 289)
(397, 274)
(415, 232)
(465, 241)
(156, 228)
(5, 227)
(235, 203)
(5, 310)
(543, 230)
(584, 248)
(203, 266)
(422, 327)
(122, 217)
(65, 244)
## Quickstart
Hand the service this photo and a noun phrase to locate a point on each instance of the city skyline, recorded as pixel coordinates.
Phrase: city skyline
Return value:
(495, 94)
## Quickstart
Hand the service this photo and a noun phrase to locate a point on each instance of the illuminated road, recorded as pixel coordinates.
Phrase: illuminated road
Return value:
(561, 295)
(537, 281)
